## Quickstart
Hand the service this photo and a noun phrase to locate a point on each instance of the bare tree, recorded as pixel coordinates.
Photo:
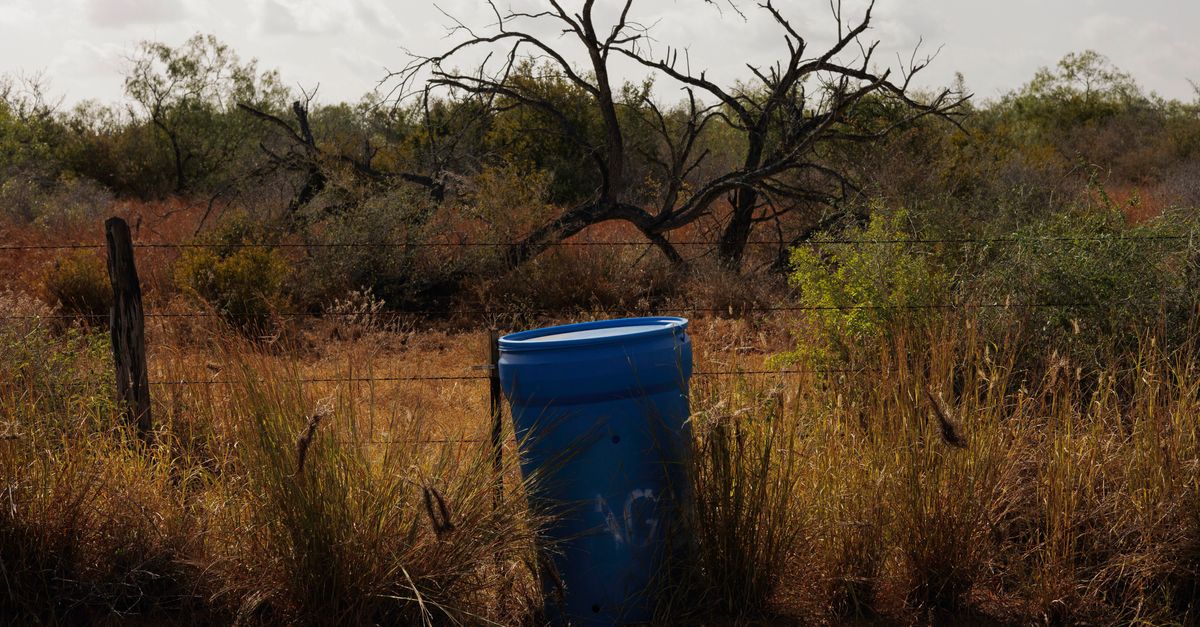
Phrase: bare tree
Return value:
(294, 149)
(785, 116)
(25, 98)
(294, 152)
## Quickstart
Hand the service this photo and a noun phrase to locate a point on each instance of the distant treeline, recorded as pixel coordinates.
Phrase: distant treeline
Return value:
(1077, 189)
(200, 122)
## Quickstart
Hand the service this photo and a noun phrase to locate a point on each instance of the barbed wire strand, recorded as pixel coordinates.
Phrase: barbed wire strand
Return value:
(703, 373)
(586, 243)
(552, 312)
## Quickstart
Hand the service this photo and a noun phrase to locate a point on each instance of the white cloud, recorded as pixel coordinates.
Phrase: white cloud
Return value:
(342, 44)
(17, 12)
(1145, 48)
(361, 65)
(276, 19)
(302, 17)
(121, 13)
(376, 16)
(81, 58)
(84, 70)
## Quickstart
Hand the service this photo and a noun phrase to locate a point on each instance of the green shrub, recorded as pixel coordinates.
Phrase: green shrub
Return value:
(405, 247)
(237, 273)
(77, 284)
(860, 292)
(52, 202)
(380, 227)
(1084, 282)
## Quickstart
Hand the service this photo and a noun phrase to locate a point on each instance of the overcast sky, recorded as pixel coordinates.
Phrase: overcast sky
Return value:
(82, 46)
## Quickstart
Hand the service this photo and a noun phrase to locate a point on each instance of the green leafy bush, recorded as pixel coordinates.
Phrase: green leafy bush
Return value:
(384, 232)
(77, 284)
(859, 292)
(237, 273)
(1084, 282)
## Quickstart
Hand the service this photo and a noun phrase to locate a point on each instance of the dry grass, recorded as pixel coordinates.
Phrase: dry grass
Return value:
(263, 501)
(939, 484)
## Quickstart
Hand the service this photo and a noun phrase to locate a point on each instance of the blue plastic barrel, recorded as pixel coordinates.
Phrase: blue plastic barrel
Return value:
(600, 409)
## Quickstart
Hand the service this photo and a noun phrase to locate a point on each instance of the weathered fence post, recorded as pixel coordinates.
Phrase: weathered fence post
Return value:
(127, 324)
(497, 414)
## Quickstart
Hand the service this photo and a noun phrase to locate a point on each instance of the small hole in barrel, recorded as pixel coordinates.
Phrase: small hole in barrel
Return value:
(616, 439)
(595, 609)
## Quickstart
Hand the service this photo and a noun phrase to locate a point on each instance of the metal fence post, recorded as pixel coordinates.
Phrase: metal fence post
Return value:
(497, 414)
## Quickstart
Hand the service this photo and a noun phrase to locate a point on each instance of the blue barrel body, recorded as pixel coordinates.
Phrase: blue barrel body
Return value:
(600, 410)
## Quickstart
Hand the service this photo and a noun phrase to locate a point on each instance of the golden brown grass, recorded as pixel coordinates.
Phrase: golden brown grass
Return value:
(939, 482)
(264, 500)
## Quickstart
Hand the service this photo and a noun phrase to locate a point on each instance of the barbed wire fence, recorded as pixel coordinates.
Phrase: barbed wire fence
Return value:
(134, 386)
(608, 243)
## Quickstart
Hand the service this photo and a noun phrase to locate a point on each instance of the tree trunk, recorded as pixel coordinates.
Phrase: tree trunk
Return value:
(732, 246)
(581, 217)
(176, 153)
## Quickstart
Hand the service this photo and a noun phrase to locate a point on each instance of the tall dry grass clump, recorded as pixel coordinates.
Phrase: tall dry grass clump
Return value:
(939, 480)
(324, 521)
(1116, 485)
(262, 501)
(92, 530)
(742, 512)
(90, 526)
(909, 473)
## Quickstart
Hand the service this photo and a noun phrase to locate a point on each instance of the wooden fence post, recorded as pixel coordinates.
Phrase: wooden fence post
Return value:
(127, 324)
(497, 414)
